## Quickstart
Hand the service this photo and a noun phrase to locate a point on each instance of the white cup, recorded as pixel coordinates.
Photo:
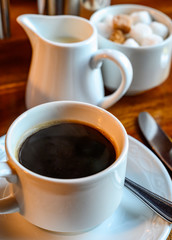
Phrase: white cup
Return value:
(151, 64)
(69, 71)
(64, 205)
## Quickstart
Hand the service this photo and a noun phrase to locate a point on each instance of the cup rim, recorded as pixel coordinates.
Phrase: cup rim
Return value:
(134, 7)
(94, 177)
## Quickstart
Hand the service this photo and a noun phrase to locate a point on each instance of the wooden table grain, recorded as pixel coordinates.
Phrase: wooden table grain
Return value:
(15, 56)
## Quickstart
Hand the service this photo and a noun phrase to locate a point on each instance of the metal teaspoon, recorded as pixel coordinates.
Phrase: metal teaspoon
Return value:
(157, 138)
(158, 204)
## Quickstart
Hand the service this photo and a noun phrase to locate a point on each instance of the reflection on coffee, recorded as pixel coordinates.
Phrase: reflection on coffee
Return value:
(67, 150)
(67, 40)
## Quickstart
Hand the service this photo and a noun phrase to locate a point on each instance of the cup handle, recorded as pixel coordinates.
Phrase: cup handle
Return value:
(9, 203)
(126, 71)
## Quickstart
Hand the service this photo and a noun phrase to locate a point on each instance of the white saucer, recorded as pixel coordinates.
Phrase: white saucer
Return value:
(132, 220)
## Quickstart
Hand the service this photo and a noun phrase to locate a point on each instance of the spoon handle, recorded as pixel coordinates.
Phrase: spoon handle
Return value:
(158, 204)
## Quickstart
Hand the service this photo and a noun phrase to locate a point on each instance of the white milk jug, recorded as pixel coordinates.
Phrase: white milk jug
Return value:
(66, 61)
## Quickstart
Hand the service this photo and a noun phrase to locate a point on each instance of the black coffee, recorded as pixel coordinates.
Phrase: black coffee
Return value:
(67, 150)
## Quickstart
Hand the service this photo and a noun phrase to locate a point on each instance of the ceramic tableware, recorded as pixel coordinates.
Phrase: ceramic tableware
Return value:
(66, 62)
(151, 64)
(64, 205)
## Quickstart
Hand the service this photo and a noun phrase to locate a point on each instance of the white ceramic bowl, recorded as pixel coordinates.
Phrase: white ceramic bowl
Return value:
(151, 64)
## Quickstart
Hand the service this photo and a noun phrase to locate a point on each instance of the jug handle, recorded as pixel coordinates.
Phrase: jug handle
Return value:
(126, 72)
(8, 204)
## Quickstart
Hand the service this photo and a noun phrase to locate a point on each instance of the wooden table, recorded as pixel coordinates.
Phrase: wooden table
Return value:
(15, 56)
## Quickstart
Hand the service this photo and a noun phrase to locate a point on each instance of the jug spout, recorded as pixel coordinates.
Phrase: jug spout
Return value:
(28, 23)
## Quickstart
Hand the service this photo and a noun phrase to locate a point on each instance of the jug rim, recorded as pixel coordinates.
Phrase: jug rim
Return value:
(24, 22)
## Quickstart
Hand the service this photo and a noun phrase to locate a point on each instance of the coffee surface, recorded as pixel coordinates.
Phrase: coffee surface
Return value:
(67, 150)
